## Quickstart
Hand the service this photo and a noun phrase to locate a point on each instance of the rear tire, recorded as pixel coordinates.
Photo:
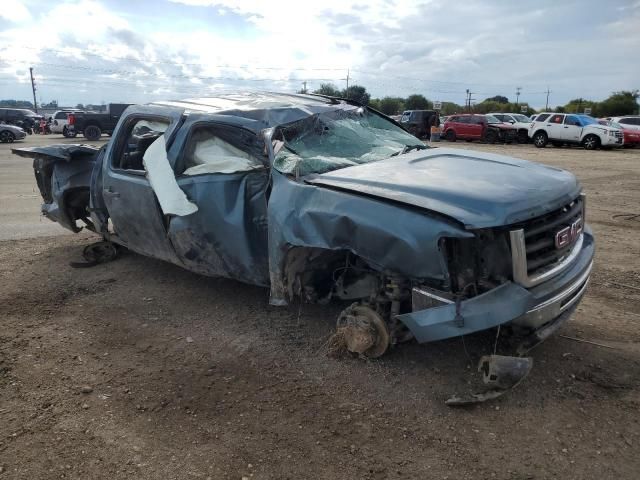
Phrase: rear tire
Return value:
(591, 142)
(92, 132)
(69, 133)
(450, 136)
(490, 136)
(7, 137)
(540, 139)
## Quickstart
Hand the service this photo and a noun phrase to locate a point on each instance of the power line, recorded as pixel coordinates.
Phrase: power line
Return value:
(142, 74)
(265, 68)
(171, 62)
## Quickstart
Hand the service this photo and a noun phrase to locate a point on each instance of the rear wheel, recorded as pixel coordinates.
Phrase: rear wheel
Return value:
(7, 137)
(450, 135)
(540, 139)
(591, 142)
(491, 136)
(69, 133)
(92, 132)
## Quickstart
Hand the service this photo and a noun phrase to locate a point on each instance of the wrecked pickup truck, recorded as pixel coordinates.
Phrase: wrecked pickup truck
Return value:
(319, 198)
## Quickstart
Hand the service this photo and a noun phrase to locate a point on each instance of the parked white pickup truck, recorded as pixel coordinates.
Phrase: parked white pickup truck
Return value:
(560, 129)
(60, 123)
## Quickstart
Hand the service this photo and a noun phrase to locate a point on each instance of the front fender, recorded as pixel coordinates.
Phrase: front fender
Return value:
(390, 237)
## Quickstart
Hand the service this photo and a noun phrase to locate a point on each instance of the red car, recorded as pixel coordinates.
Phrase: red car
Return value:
(631, 136)
(478, 127)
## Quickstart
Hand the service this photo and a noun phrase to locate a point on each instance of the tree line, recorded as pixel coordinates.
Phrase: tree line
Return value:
(618, 103)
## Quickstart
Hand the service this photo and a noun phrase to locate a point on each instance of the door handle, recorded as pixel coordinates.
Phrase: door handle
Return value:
(109, 192)
(566, 127)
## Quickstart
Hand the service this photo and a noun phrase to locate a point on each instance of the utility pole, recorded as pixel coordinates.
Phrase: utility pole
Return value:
(33, 88)
(546, 106)
(518, 94)
(347, 79)
(304, 87)
(468, 100)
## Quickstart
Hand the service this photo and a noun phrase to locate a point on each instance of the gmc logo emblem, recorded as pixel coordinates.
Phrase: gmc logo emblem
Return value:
(568, 235)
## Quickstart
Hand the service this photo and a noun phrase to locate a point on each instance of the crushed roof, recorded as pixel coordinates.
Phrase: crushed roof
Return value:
(259, 109)
(246, 101)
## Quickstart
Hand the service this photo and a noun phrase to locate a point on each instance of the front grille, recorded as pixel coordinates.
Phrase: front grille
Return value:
(540, 236)
(618, 134)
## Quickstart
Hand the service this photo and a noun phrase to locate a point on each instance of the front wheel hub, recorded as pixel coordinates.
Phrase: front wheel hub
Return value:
(363, 330)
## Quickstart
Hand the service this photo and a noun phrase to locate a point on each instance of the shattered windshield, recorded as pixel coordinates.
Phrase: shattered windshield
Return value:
(337, 139)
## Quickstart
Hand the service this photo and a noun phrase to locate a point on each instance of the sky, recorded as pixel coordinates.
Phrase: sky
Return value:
(101, 51)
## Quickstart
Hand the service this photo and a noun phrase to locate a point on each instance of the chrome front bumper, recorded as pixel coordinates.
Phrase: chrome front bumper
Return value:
(555, 306)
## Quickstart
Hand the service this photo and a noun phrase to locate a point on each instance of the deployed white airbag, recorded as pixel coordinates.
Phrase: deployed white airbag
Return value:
(214, 155)
(172, 199)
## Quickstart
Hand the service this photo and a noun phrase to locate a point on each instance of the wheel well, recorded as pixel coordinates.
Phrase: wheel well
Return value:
(76, 204)
(317, 274)
(540, 131)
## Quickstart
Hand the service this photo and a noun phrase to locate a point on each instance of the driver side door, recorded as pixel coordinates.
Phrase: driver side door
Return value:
(220, 163)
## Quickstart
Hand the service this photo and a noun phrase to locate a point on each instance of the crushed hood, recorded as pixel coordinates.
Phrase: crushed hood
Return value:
(478, 189)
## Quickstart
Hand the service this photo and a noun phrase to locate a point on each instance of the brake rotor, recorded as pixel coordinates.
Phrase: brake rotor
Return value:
(363, 330)
(96, 253)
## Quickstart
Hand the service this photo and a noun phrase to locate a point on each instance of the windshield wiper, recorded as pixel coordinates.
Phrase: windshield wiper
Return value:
(408, 148)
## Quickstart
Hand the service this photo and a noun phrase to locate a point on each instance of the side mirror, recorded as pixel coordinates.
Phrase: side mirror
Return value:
(512, 122)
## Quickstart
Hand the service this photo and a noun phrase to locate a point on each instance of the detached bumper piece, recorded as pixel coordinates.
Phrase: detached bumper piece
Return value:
(500, 374)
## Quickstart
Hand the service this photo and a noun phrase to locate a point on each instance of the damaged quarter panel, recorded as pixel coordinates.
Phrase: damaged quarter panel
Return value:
(388, 236)
(63, 175)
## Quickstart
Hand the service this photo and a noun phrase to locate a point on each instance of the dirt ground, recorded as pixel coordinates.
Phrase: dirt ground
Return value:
(139, 369)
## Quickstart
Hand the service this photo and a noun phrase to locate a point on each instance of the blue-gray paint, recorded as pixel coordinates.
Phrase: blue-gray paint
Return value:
(498, 306)
(63, 169)
(389, 237)
(227, 236)
(478, 189)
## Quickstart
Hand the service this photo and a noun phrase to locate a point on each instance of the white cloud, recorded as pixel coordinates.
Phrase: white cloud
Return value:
(393, 47)
(14, 11)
